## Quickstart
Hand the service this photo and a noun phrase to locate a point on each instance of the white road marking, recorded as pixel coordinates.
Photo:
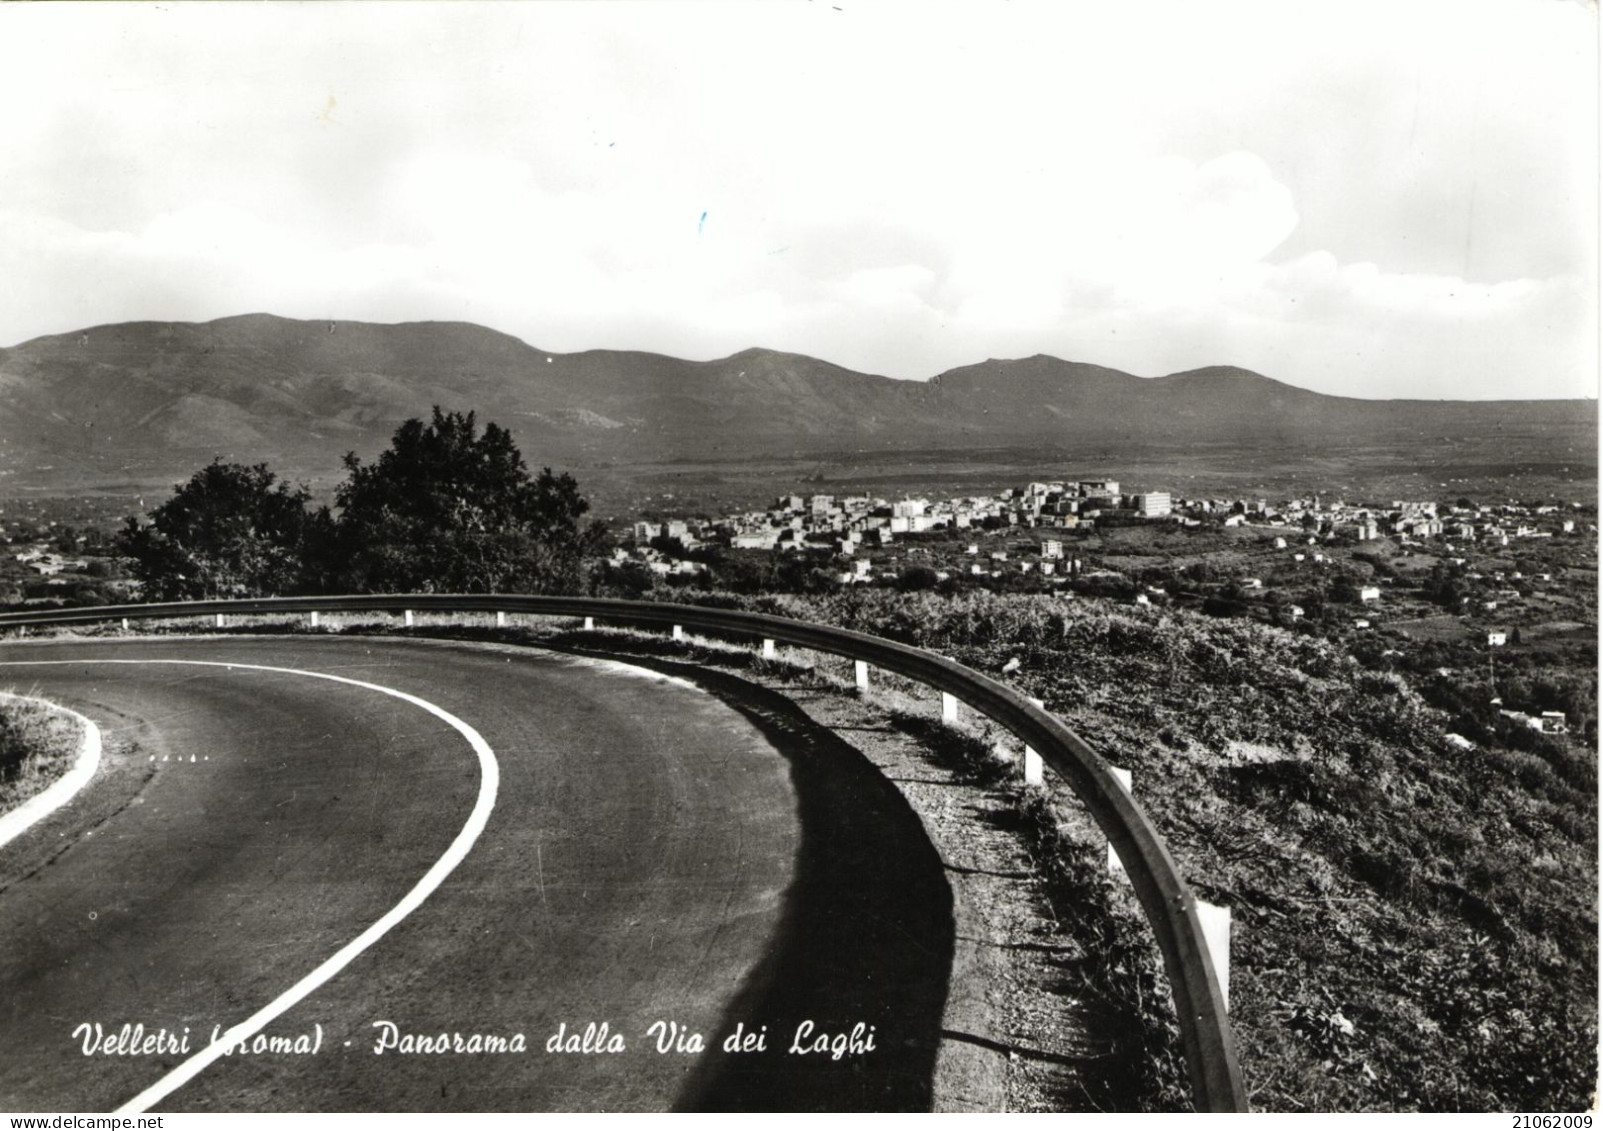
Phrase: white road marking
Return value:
(489, 783)
(60, 791)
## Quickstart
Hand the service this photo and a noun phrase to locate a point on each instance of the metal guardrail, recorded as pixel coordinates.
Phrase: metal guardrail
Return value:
(1167, 901)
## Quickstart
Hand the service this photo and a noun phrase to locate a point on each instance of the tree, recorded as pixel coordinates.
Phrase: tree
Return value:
(231, 531)
(1445, 587)
(1343, 591)
(670, 546)
(449, 510)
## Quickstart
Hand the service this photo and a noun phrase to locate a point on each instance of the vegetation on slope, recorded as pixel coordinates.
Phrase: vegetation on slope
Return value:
(1414, 923)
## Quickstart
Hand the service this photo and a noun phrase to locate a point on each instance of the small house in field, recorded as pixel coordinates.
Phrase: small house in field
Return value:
(1369, 593)
(1496, 638)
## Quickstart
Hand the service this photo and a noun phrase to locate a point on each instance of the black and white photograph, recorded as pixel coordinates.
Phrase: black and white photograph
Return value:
(813, 556)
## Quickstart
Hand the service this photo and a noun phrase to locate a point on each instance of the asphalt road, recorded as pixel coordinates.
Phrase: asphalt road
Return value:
(654, 854)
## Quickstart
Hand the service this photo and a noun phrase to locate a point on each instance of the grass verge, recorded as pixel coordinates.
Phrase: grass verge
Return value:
(37, 746)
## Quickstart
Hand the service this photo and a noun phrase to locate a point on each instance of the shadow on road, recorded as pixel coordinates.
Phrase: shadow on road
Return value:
(866, 936)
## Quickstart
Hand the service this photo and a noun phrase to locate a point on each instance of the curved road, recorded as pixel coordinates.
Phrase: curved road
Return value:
(652, 855)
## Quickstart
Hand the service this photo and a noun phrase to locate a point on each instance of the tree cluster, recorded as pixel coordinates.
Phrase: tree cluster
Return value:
(445, 509)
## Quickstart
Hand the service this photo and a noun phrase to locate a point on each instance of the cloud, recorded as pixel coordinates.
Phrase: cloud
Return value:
(1158, 187)
(1153, 265)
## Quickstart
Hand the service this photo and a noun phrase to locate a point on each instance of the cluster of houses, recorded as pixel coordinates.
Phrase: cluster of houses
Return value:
(37, 573)
(1409, 521)
(658, 558)
(844, 524)
(47, 564)
(848, 526)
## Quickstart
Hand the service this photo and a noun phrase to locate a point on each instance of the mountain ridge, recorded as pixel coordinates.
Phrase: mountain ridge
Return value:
(258, 386)
(263, 318)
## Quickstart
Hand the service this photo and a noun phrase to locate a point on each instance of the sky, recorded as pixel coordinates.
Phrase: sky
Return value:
(1370, 199)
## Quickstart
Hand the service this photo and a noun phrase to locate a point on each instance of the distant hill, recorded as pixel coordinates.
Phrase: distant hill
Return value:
(146, 396)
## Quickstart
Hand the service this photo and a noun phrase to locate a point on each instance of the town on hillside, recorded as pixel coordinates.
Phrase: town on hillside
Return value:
(800, 522)
(1439, 584)
(862, 528)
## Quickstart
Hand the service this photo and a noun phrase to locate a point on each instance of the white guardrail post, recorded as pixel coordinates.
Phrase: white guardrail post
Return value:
(1115, 865)
(948, 707)
(860, 671)
(1034, 769)
(769, 651)
(1215, 922)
